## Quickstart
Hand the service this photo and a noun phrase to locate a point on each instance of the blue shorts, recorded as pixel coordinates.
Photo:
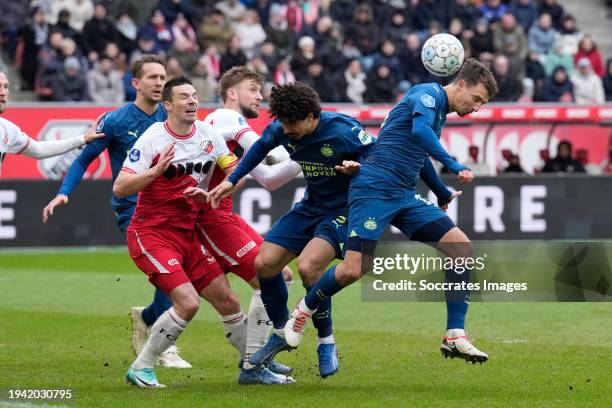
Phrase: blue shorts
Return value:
(295, 229)
(123, 216)
(368, 217)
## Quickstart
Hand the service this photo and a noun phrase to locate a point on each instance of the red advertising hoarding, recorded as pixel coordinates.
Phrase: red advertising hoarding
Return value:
(524, 130)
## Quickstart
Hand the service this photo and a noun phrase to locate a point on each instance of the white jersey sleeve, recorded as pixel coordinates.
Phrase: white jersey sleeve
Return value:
(12, 138)
(232, 125)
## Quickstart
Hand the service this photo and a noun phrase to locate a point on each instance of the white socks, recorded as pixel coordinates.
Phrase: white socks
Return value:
(164, 332)
(258, 325)
(235, 331)
(326, 340)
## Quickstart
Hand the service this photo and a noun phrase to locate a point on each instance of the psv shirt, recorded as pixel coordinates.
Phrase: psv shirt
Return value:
(196, 155)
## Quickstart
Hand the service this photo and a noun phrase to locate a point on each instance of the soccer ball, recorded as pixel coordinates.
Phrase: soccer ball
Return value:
(442, 55)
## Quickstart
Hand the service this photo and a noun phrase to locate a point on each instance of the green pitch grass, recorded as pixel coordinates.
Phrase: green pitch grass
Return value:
(64, 324)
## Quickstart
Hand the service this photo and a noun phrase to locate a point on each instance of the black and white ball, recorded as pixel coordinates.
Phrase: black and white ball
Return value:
(442, 54)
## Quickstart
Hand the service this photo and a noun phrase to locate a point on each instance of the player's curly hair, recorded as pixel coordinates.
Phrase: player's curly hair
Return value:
(474, 72)
(292, 102)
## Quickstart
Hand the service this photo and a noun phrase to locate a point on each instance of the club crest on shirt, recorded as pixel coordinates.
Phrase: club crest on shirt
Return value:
(241, 121)
(428, 100)
(207, 146)
(134, 155)
(100, 124)
(327, 151)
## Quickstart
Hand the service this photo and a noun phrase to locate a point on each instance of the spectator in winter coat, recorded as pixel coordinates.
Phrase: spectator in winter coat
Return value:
(98, 32)
(277, 31)
(510, 87)
(556, 57)
(70, 84)
(588, 88)
(555, 10)
(381, 85)
(251, 33)
(355, 80)
(542, 35)
(215, 29)
(525, 12)
(104, 82)
(558, 87)
(588, 49)
(570, 36)
(493, 10)
(482, 40)
(233, 55)
(363, 30)
(159, 30)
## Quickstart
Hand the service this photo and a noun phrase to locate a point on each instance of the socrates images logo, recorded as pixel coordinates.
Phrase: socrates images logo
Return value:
(370, 224)
(327, 151)
(55, 168)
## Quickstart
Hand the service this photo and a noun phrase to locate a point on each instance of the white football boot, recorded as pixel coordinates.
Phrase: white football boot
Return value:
(140, 330)
(457, 344)
(172, 359)
(294, 328)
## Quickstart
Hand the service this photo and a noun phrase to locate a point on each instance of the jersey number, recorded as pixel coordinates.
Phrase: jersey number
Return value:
(187, 169)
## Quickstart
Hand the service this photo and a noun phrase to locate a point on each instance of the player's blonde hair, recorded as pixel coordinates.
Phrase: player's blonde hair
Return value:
(234, 76)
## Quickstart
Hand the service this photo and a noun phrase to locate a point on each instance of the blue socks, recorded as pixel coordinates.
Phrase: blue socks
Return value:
(325, 288)
(274, 297)
(456, 300)
(322, 319)
(161, 303)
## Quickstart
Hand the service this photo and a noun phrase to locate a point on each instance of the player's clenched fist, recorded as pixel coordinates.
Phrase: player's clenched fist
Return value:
(465, 176)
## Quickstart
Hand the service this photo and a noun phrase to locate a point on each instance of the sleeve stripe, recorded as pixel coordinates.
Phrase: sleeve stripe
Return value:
(25, 147)
(128, 170)
(242, 132)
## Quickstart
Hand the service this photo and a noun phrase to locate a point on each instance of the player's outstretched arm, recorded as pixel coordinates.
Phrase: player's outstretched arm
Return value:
(277, 168)
(50, 148)
(78, 167)
(274, 176)
(128, 183)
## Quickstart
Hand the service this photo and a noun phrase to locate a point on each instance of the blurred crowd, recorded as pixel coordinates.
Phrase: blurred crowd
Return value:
(349, 51)
(566, 160)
